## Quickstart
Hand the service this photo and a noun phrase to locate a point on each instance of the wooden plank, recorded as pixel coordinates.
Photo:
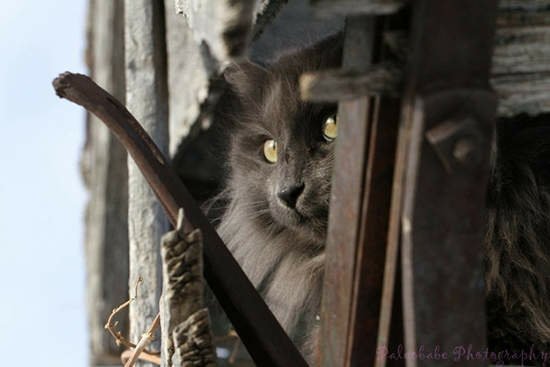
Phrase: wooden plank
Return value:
(447, 107)
(146, 97)
(105, 172)
(371, 253)
(356, 7)
(334, 85)
(521, 50)
(346, 201)
(523, 93)
(189, 76)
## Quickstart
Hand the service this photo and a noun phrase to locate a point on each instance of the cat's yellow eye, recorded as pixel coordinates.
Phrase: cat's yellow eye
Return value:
(330, 128)
(270, 150)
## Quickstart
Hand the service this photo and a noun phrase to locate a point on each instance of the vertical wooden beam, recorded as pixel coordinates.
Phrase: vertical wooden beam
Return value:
(360, 210)
(346, 201)
(146, 98)
(448, 122)
(105, 174)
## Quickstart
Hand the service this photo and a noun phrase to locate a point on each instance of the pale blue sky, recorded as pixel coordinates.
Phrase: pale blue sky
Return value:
(42, 307)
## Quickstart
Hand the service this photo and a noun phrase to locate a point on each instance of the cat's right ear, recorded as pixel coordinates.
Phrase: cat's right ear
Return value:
(245, 77)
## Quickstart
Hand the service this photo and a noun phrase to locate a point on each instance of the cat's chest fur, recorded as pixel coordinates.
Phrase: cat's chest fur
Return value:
(289, 280)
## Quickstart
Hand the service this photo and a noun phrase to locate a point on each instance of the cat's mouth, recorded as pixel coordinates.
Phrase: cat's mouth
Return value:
(306, 226)
(289, 217)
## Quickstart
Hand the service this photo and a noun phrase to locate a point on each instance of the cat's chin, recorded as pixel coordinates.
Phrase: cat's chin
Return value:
(305, 228)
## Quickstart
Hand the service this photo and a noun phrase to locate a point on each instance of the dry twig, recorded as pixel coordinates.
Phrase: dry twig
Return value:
(110, 326)
(144, 341)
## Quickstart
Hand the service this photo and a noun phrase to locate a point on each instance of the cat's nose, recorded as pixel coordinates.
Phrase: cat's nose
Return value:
(289, 195)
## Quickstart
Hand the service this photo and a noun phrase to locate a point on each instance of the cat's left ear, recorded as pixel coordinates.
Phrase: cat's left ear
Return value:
(245, 77)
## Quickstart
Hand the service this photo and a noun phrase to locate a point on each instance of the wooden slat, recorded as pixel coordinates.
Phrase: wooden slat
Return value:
(105, 173)
(346, 202)
(521, 50)
(356, 7)
(146, 97)
(338, 85)
(523, 93)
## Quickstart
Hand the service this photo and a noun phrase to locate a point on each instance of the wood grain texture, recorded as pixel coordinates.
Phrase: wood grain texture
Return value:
(104, 167)
(146, 97)
(189, 79)
(346, 201)
(356, 7)
(186, 335)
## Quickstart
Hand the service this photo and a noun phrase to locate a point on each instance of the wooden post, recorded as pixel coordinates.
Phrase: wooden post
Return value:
(447, 120)
(146, 98)
(361, 198)
(346, 200)
(105, 174)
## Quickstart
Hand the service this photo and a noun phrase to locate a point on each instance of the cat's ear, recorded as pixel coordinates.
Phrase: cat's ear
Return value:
(245, 77)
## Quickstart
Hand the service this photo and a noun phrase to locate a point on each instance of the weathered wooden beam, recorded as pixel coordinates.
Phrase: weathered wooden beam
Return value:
(262, 335)
(356, 7)
(146, 97)
(356, 246)
(190, 73)
(339, 85)
(448, 121)
(105, 172)
(523, 93)
(346, 201)
(521, 50)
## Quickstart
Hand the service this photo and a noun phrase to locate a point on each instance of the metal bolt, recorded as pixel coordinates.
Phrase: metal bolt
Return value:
(465, 151)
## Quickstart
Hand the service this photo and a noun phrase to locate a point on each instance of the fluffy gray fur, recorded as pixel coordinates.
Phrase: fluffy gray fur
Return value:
(279, 248)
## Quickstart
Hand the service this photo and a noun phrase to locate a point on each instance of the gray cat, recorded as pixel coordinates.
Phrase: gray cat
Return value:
(281, 153)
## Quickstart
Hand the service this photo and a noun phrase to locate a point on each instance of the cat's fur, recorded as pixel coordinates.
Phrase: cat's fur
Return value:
(518, 236)
(282, 252)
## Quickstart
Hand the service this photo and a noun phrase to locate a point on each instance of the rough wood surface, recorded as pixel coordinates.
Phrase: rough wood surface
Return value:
(105, 174)
(146, 98)
(338, 85)
(346, 201)
(522, 93)
(357, 7)
(521, 57)
(225, 25)
(186, 335)
(189, 79)
(521, 50)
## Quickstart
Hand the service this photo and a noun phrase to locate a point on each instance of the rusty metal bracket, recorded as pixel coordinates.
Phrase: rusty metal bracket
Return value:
(458, 140)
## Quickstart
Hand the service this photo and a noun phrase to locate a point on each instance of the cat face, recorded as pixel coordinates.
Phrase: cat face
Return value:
(284, 162)
(282, 151)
